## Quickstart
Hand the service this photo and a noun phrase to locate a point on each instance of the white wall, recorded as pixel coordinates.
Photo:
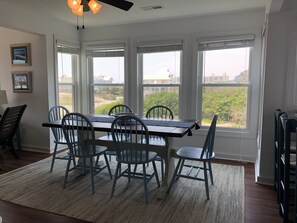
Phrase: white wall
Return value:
(32, 134)
(39, 30)
(236, 145)
(280, 83)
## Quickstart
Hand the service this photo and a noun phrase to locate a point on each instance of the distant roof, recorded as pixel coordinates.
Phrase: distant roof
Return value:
(162, 74)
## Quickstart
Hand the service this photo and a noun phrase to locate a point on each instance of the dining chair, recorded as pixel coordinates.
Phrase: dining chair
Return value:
(115, 110)
(77, 126)
(191, 157)
(131, 142)
(9, 124)
(57, 113)
(287, 168)
(277, 114)
(159, 112)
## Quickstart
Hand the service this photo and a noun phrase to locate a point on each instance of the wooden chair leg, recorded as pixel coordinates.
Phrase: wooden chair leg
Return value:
(66, 173)
(54, 157)
(156, 173)
(107, 165)
(210, 172)
(12, 149)
(174, 175)
(162, 168)
(206, 179)
(145, 184)
(92, 175)
(117, 174)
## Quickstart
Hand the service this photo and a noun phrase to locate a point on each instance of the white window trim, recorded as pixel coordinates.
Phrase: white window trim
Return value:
(153, 44)
(74, 48)
(87, 79)
(254, 81)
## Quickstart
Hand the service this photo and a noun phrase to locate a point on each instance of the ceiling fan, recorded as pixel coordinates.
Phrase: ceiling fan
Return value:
(78, 7)
(121, 4)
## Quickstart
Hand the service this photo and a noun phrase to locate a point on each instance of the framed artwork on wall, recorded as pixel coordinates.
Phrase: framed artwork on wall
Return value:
(20, 54)
(22, 81)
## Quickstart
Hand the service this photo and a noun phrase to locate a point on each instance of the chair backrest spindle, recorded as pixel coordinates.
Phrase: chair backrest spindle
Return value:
(209, 141)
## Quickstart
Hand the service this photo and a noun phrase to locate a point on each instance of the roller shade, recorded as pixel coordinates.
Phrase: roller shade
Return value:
(67, 48)
(165, 47)
(246, 41)
(112, 51)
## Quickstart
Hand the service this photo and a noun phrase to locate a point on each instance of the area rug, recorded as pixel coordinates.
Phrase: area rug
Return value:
(35, 187)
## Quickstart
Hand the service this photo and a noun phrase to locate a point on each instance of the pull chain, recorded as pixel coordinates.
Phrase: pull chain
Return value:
(83, 26)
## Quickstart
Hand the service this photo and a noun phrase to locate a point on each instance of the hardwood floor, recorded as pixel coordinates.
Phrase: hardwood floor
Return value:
(260, 201)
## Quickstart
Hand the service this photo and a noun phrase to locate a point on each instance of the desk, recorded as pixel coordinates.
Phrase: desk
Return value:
(165, 128)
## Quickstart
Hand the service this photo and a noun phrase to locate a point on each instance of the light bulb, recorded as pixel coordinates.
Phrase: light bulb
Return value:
(73, 3)
(94, 6)
(78, 11)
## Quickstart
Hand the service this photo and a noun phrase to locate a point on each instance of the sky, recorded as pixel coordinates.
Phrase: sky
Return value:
(230, 61)
(217, 62)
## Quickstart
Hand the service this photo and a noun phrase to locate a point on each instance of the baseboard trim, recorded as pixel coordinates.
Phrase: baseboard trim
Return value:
(235, 157)
(268, 181)
(35, 149)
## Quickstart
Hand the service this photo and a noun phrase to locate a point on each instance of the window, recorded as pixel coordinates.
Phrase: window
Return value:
(225, 82)
(159, 69)
(107, 74)
(67, 68)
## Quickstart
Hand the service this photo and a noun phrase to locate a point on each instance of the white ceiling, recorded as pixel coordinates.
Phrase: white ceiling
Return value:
(113, 16)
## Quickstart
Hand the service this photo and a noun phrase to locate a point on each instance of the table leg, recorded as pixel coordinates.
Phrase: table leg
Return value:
(169, 170)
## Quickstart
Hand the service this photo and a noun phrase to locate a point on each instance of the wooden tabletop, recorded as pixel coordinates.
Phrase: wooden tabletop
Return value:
(165, 131)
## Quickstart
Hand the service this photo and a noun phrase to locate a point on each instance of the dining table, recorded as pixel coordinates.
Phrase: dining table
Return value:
(168, 129)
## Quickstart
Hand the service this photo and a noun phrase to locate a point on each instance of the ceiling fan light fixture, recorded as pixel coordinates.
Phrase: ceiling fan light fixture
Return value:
(73, 4)
(79, 11)
(94, 6)
(78, 7)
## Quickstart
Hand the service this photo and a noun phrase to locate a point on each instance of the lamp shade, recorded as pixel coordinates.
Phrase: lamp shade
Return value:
(73, 3)
(94, 6)
(78, 11)
(3, 97)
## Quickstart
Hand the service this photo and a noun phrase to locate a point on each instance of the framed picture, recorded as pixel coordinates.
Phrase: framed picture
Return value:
(20, 54)
(22, 81)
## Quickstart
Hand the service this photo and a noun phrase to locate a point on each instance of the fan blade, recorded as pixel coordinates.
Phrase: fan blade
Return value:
(121, 4)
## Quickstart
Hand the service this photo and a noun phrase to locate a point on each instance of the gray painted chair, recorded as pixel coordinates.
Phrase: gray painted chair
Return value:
(131, 142)
(57, 113)
(76, 125)
(115, 110)
(197, 155)
(159, 112)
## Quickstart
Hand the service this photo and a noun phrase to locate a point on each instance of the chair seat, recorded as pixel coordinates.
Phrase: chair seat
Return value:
(193, 153)
(98, 151)
(106, 138)
(131, 159)
(61, 141)
(157, 141)
(111, 152)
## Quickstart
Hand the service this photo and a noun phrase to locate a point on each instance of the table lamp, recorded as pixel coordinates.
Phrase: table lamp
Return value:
(3, 99)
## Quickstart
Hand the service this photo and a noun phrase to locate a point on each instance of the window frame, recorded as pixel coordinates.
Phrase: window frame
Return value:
(74, 50)
(249, 84)
(89, 64)
(139, 61)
